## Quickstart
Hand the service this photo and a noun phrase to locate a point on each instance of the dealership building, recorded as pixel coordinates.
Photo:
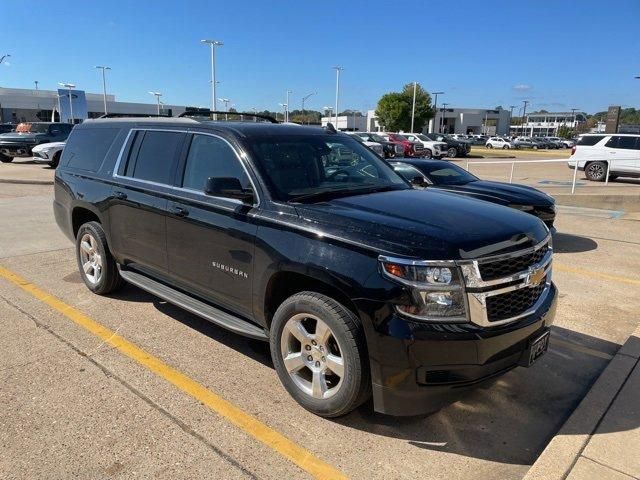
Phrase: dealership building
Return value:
(28, 105)
(547, 124)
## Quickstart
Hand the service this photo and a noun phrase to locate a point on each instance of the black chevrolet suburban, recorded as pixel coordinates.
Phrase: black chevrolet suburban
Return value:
(302, 237)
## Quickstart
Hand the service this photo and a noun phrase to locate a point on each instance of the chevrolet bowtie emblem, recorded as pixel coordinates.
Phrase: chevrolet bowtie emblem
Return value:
(535, 277)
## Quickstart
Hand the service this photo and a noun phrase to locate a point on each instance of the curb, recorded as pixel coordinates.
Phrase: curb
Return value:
(628, 203)
(26, 182)
(561, 454)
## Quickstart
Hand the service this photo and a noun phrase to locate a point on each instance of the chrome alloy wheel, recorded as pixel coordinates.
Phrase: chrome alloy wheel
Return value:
(90, 258)
(596, 170)
(312, 356)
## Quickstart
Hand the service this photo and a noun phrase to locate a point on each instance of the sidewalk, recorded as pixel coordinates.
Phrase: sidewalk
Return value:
(601, 439)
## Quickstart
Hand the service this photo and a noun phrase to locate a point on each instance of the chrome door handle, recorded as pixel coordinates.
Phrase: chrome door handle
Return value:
(179, 211)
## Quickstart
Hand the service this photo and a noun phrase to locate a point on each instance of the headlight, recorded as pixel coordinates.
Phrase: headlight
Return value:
(437, 293)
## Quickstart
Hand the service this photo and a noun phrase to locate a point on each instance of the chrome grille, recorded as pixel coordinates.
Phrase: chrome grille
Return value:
(503, 268)
(511, 304)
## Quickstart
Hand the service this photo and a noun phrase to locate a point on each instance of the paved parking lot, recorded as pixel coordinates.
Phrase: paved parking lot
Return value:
(129, 386)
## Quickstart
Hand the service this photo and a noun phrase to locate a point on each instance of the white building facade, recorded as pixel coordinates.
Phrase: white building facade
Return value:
(27, 105)
(547, 124)
(346, 123)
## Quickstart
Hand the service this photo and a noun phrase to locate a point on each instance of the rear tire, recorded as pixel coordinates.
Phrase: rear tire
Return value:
(97, 266)
(596, 171)
(5, 159)
(337, 343)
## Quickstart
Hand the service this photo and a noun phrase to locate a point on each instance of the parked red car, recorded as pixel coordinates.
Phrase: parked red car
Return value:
(411, 149)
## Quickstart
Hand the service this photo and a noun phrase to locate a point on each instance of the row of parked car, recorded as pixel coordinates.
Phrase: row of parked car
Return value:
(535, 143)
(412, 145)
(43, 141)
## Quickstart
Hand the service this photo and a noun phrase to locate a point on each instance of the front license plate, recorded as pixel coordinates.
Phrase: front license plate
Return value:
(538, 347)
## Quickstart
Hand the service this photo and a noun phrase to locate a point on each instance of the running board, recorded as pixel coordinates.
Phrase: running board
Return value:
(212, 314)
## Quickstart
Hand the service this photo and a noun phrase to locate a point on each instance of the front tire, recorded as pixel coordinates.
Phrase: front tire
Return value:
(505, 147)
(428, 154)
(5, 159)
(596, 171)
(319, 352)
(489, 145)
(55, 160)
(97, 266)
(452, 152)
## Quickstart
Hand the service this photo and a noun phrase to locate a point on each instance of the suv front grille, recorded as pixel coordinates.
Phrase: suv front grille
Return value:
(511, 304)
(504, 268)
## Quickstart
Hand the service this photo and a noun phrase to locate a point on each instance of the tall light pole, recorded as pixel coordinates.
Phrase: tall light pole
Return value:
(213, 44)
(69, 86)
(444, 109)
(338, 69)
(36, 82)
(286, 116)
(304, 99)
(104, 86)
(284, 111)
(435, 105)
(158, 95)
(524, 114)
(413, 107)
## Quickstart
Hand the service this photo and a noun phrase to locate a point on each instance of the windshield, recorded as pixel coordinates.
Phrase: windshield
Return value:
(307, 167)
(32, 128)
(446, 174)
(400, 138)
(377, 138)
(422, 136)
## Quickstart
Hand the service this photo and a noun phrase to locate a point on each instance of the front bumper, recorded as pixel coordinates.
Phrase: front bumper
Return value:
(418, 367)
(17, 149)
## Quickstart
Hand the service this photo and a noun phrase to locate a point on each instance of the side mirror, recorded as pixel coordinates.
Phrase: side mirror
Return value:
(228, 187)
(418, 182)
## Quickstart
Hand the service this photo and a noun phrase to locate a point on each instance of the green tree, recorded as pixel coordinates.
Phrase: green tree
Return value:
(565, 132)
(394, 109)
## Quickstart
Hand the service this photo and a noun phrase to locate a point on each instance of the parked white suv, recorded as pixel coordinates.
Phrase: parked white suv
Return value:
(48, 153)
(497, 142)
(433, 149)
(595, 154)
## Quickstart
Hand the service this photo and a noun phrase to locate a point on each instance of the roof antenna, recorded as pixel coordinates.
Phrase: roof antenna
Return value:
(330, 128)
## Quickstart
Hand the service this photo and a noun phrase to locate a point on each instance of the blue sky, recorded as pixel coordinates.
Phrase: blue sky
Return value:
(557, 54)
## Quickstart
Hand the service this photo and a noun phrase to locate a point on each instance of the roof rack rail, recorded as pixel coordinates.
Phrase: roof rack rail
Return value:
(135, 115)
(203, 112)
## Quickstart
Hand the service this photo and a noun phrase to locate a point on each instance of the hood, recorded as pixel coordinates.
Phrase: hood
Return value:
(20, 137)
(44, 146)
(427, 225)
(502, 193)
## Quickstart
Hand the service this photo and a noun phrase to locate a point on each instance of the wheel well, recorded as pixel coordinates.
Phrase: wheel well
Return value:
(285, 284)
(81, 216)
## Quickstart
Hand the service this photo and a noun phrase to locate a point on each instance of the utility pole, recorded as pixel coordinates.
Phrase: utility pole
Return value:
(435, 107)
(338, 69)
(413, 107)
(104, 86)
(304, 99)
(524, 115)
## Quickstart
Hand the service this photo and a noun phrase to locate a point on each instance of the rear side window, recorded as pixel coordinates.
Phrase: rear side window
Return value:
(87, 148)
(627, 143)
(211, 157)
(589, 140)
(156, 155)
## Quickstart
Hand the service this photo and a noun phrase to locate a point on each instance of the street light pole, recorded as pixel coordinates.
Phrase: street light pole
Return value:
(158, 95)
(573, 113)
(435, 106)
(524, 114)
(104, 86)
(444, 109)
(287, 104)
(213, 44)
(304, 100)
(69, 86)
(413, 107)
(338, 69)
(36, 82)
(226, 102)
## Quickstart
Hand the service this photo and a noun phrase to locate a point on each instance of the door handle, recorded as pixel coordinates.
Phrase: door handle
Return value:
(179, 211)
(120, 195)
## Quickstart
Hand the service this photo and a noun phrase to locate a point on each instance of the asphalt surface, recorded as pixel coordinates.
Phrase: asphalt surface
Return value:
(75, 404)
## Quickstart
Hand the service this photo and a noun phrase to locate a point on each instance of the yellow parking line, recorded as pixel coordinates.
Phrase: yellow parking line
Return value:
(590, 273)
(249, 424)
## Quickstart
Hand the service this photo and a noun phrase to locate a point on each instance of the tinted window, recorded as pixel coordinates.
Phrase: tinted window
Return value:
(87, 147)
(407, 171)
(588, 140)
(156, 155)
(211, 157)
(441, 173)
(629, 143)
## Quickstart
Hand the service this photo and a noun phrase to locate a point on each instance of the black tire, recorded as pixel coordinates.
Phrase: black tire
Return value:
(596, 171)
(535, 147)
(452, 152)
(109, 279)
(5, 159)
(489, 145)
(55, 160)
(428, 153)
(355, 386)
(505, 147)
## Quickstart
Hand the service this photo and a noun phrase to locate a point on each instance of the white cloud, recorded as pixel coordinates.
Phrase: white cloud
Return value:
(6, 64)
(522, 87)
